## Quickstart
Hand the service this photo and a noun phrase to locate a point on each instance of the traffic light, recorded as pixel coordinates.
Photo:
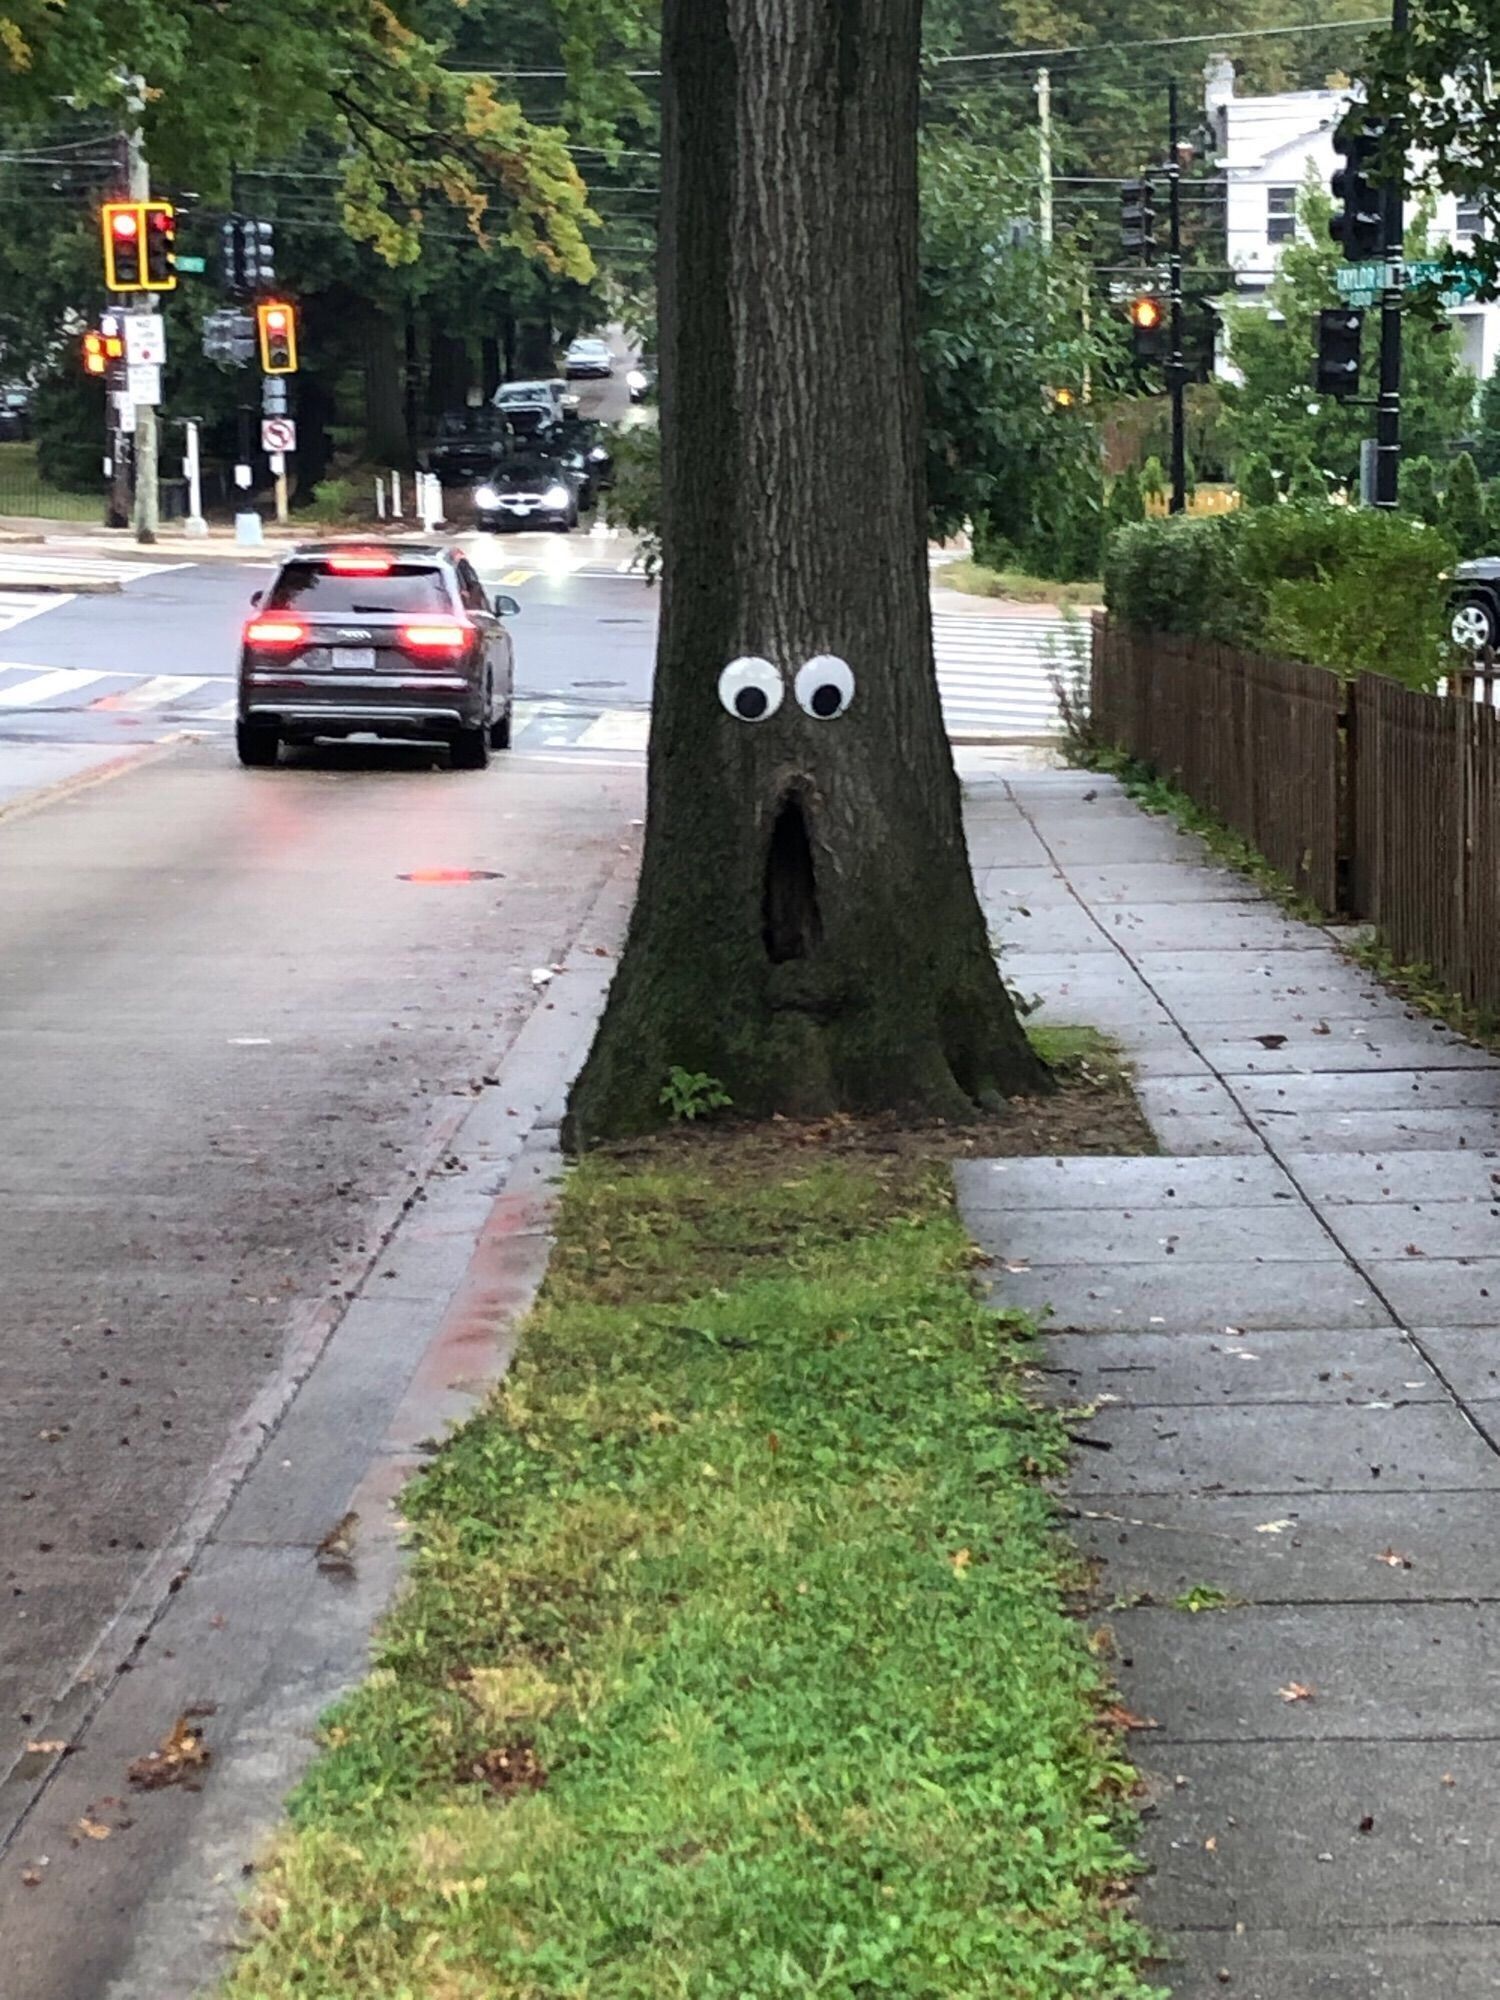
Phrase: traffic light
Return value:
(249, 254)
(159, 233)
(1360, 228)
(1339, 331)
(104, 345)
(1138, 220)
(120, 225)
(277, 322)
(1148, 326)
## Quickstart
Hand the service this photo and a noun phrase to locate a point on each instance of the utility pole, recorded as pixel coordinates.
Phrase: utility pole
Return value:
(1393, 215)
(147, 444)
(1044, 152)
(1176, 364)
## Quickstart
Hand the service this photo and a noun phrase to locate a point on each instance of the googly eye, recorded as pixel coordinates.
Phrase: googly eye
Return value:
(824, 687)
(751, 689)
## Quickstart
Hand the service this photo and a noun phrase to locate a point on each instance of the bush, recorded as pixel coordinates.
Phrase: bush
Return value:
(1419, 491)
(1463, 508)
(1127, 503)
(1305, 483)
(635, 498)
(1351, 588)
(331, 500)
(1178, 574)
(1257, 482)
(1154, 478)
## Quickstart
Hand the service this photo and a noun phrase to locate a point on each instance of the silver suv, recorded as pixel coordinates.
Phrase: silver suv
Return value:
(385, 639)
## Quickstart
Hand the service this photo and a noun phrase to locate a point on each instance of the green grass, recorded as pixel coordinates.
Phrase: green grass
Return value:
(739, 1657)
(23, 495)
(976, 581)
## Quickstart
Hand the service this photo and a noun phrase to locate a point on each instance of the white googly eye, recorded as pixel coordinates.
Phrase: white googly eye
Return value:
(824, 687)
(751, 689)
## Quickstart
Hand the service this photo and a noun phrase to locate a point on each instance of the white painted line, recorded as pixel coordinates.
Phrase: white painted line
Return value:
(227, 711)
(25, 607)
(153, 691)
(618, 729)
(46, 687)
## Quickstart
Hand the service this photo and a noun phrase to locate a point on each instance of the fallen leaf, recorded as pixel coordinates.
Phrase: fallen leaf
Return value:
(47, 1746)
(1271, 1041)
(1414, 1250)
(1120, 1717)
(1449, 1779)
(542, 975)
(93, 1829)
(960, 1560)
(1275, 1527)
(1211, 1845)
(1393, 1559)
(1296, 1691)
(180, 1754)
(1367, 1824)
(30, 1877)
(336, 1550)
(1322, 1029)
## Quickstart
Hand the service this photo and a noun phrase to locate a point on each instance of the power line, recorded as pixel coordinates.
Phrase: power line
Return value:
(1157, 42)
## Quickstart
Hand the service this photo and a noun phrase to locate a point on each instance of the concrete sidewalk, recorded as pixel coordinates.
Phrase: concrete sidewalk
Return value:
(1289, 1329)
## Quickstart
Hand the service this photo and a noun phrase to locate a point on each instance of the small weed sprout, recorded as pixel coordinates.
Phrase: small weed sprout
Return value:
(689, 1094)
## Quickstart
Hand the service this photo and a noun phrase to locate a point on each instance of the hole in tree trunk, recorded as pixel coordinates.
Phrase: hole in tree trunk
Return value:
(792, 925)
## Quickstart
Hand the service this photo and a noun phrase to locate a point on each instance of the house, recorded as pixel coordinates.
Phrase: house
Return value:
(1265, 146)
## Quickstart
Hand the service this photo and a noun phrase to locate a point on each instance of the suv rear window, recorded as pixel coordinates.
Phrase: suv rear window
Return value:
(313, 587)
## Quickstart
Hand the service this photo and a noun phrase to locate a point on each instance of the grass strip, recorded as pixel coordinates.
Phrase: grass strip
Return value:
(739, 1656)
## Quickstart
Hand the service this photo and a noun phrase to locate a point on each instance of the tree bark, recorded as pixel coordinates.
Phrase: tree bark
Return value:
(387, 439)
(806, 929)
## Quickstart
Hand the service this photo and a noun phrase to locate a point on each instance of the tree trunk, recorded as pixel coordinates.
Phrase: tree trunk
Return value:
(535, 355)
(806, 929)
(448, 371)
(387, 439)
(491, 368)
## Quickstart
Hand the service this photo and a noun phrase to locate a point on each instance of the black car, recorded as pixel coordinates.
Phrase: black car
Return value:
(530, 490)
(1474, 604)
(376, 638)
(581, 447)
(465, 444)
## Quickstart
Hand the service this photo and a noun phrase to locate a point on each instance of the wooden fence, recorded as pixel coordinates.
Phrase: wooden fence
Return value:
(1377, 802)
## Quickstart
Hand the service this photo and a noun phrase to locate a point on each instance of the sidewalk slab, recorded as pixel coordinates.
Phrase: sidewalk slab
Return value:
(1282, 1367)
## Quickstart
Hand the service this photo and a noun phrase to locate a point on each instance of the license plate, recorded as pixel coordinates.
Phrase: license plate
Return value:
(515, 508)
(353, 659)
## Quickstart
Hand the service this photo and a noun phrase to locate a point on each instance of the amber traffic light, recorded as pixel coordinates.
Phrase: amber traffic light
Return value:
(277, 324)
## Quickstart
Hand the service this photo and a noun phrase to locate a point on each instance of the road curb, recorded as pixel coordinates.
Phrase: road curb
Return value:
(96, 774)
(367, 1380)
(63, 584)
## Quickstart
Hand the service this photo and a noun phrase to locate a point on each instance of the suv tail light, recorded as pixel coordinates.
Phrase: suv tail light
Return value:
(436, 635)
(276, 632)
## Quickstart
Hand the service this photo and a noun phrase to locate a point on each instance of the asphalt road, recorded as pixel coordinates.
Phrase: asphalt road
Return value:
(228, 1030)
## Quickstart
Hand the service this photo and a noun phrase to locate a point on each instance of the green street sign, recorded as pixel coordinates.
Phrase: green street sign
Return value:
(1351, 278)
(193, 266)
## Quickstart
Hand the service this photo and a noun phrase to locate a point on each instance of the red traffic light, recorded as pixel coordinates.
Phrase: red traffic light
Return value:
(124, 223)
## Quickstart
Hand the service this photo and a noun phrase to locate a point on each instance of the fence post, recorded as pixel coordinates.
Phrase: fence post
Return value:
(1347, 868)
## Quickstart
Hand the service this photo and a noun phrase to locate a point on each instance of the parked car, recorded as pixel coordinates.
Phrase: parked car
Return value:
(465, 443)
(1474, 604)
(528, 490)
(395, 639)
(588, 356)
(15, 412)
(513, 394)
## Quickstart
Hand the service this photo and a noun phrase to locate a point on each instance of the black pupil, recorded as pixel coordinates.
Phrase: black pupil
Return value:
(750, 704)
(826, 699)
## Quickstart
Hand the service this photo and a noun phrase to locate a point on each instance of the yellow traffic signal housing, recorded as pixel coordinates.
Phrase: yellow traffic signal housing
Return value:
(159, 236)
(277, 323)
(121, 226)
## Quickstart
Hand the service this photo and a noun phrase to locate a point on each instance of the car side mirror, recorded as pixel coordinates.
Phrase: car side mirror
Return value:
(506, 606)
(257, 597)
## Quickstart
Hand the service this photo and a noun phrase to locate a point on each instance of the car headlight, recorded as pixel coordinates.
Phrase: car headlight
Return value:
(486, 496)
(636, 379)
(598, 455)
(555, 496)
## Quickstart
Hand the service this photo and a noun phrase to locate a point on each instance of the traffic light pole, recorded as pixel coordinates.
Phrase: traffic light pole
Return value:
(1393, 207)
(147, 439)
(1176, 364)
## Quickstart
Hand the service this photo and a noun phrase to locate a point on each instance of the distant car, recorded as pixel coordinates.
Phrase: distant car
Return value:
(531, 490)
(581, 448)
(465, 442)
(15, 413)
(641, 382)
(531, 427)
(1474, 604)
(511, 394)
(391, 639)
(588, 356)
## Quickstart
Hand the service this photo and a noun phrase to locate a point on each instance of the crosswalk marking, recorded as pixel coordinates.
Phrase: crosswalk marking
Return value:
(158, 689)
(25, 566)
(16, 606)
(618, 729)
(48, 687)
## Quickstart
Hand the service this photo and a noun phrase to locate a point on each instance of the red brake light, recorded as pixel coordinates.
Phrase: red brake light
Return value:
(275, 632)
(361, 562)
(436, 635)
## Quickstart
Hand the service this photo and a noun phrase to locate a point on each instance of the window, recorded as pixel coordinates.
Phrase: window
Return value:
(1281, 214)
(404, 588)
(1470, 216)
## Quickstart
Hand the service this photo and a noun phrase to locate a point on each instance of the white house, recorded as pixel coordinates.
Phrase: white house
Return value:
(1265, 146)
